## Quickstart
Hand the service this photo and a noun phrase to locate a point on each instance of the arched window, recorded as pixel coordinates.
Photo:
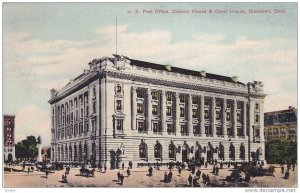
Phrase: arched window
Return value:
(172, 151)
(232, 152)
(143, 151)
(242, 151)
(158, 151)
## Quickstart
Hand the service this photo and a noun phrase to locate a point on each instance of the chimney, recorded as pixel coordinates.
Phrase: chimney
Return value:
(234, 78)
(203, 73)
(168, 67)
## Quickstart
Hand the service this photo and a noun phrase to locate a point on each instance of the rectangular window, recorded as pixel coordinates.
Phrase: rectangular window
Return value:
(183, 129)
(154, 109)
(181, 98)
(119, 124)
(257, 118)
(196, 129)
(206, 114)
(218, 115)
(170, 128)
(154, 95)
(228, 116)
(219, 130)
(139, 94)
(218, 103)
(94, 107)
(119, 105)
(238, 117)
(155, 127)
(169, 96)
(257, 106)
(182, 112)
(194, 115)
(119, 88)
(169, 111)
(141, 126)
(195, 100)
(140, 108)
(206, 102)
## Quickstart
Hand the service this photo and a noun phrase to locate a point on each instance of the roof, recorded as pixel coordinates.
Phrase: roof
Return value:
(181, 71)
(280, 117)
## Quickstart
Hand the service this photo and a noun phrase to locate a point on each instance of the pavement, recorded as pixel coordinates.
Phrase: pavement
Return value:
(138, 178)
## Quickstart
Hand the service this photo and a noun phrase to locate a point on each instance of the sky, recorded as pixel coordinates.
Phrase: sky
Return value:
(47, 44)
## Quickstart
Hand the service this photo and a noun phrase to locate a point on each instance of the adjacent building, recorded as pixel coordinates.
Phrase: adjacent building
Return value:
(9, 138)
(122, 110)
(281, 124)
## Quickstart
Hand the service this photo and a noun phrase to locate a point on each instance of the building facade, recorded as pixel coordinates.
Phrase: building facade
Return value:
(122, 110)
(281, 125)
(9, 138)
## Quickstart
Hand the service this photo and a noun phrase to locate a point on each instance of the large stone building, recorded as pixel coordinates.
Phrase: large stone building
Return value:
(9, 138)
(125, 110)
(281, 124)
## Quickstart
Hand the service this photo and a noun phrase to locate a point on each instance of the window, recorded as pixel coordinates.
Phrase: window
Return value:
(141, 126)
(169, 111)
(172, 151)
(239, 105)
(143, 151)
(208, 130)
(139, 94)
(140, 108)
(183, 129)
(228, 116)
(169, 96)
(256, 118)
(195, 100)
(154, 109)
(170, 128)
(158, 151)
(119, 88)
(218, 115)
(228, 104)
(219, 130)
(194, 115)
(256, 106)
(269, 131)
(238, 117)
(154, 95)
(155, 127)
(181, 112)
(94, 107)
(119, 124)
(206, 102)
(94, 92)
(181, 98)
(218, 103)
(119, 105)
(196, 129)
(206, 114)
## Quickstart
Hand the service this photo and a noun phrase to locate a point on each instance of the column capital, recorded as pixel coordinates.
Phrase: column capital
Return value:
(148, 91)
(133, 89)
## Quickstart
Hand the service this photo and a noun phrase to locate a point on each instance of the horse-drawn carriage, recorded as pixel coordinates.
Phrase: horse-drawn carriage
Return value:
(86, 172)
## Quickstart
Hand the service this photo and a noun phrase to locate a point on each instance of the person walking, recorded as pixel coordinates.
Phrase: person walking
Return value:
(198, 174)
(282, 169)
(166, 178)
(105, 168)
(170, 176)
(179, 170)
(190, 179)
(217, 171)
(46, 172)
(128, 172)
(214, 169)
(293, 167)
(122, 179)
(28, 169)
(204, 178)
(150, 171)
(206, 164)
(123, 166)
(119, 176)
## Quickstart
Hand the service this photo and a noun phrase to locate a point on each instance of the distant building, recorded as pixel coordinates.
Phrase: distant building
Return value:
(281, 125)
(9, 137)
(122, 110)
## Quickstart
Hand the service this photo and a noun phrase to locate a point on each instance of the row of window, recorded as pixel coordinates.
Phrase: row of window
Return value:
(282, 131)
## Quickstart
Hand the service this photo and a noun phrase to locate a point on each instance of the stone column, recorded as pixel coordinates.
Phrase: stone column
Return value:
(134, 108)
(163, 110)
(224, 127)
(202, 129)
(234, 120)
(190, 114)
(213, 117)
(149, 109)
(177, 114)
(245, 118)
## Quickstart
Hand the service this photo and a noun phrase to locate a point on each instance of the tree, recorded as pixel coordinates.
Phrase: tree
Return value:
(27, 149)
(279, 150)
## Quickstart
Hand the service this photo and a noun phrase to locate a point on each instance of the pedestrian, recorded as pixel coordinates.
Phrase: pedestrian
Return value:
(198, 174)
(214, 169)
(204, 178)
(150, 171)
(28, 169)
(207, 180)
(166, 178)
(193, 170)
(119, 176)
(190, 179)
(282, 169)
(179, 170)
(46, 172)
(221, 165)
(170, 176)
(122, 178)
(100, 167)
(105, 168)
(293, 167)
(32, 168)
(128, 172)
(217, 171)
(287, 175)
(206, 164)
(195, 183)
(123, 166)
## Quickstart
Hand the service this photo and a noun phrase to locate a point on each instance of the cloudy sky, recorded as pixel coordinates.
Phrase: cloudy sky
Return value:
(47, 44)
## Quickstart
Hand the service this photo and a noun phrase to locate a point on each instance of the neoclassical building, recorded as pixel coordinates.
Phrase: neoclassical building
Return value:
(122, 110)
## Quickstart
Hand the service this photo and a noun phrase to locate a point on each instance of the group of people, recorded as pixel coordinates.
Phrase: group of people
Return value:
(120, 175)
(287, 173)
